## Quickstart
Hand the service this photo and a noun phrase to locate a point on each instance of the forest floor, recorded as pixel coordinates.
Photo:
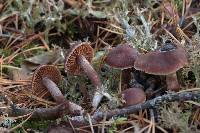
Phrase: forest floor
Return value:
(36, 34)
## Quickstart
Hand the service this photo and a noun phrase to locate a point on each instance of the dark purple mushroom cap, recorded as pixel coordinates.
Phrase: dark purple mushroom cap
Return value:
(162, 62)
(79, 48)
(133, 96)
(122, 56)
(49, 71)
(60, 129)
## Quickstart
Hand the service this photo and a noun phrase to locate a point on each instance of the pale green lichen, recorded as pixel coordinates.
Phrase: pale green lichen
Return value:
(172, 117)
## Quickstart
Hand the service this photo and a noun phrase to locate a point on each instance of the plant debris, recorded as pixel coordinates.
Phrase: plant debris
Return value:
(78, 41)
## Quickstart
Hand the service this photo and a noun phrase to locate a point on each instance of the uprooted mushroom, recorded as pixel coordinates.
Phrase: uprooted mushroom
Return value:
(165, 61)
(78, 59)
(44, 82)
(48, 72)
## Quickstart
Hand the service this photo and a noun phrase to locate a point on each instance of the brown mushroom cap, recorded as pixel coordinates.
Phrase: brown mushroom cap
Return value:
(134, 96)
(122, 56)
(162, 62)
(48, 71)
(59, 129)
(79, 48)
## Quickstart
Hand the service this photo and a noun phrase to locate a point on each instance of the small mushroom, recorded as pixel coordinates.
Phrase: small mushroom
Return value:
(49, 72)
(45, 80)
(59, 129)
(164, 62)
(78, 59)
(122, 57)
(133, 96)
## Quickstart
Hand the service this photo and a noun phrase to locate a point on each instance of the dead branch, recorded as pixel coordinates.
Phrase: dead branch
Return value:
(60, 110)
(41, 113)
(45, 113)
(150, 104)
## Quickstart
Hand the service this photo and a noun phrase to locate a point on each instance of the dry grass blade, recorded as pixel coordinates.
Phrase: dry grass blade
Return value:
(22, 45)
(193, 102)
(90, 121)
(19, 125)
(170, 34)
(148, 121)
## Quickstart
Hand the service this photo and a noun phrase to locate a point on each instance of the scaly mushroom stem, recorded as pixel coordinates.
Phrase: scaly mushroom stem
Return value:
(93, 76)
(172, 82)
(58, 96)
(89, 71)
(53, 89)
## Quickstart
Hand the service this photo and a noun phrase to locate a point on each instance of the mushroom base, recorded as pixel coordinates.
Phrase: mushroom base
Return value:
(172, 82)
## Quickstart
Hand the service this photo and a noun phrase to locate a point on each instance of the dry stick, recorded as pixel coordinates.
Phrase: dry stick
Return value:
(59, 110)
(154, 103)
(41, 113)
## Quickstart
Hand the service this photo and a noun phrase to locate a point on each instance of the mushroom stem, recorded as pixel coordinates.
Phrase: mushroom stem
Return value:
(53, 89)
(172, 82)
(89, 71)
(58, 96)
(93, 76)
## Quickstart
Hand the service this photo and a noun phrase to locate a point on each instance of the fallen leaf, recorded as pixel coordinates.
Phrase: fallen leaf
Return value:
(18, 74)
(51, 57)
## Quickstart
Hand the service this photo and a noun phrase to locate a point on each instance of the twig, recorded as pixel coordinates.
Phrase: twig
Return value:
(170, 34)
(59, 110)
(154, 103)
(40, 113)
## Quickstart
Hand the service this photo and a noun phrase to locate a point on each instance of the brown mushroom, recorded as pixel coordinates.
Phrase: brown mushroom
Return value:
(122, 56)
(45, 80)
(164, 62)
(60, 129)
(49, 72)
(78, 59)
(133, 96)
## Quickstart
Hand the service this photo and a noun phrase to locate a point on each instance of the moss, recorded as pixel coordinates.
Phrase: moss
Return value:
(36, 125)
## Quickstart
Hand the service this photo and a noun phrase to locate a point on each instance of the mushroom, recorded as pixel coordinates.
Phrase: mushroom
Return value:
(122, 57)
(46, 77)
(78, 59)
(59, 129)
(133, 96)
(166, 61)
(48, 72)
